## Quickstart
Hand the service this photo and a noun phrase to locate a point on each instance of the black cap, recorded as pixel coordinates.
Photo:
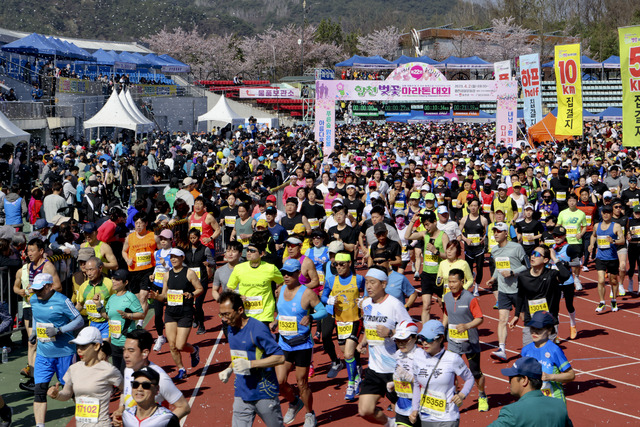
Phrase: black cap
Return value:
(559, 231)
(147, 372)
(428, 216)
(271, 210)
(120, 275)
(379, 228)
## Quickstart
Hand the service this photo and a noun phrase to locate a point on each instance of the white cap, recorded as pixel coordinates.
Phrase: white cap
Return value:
(176, 252)
(607, 195)
(331, 184)
(502, 186)
(375, 195)
(425, 187)
(443, 210)
(89, 335)
(405, 329)
(501, 226)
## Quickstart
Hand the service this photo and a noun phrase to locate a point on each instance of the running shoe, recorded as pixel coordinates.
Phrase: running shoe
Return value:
(182, 374)
(391, 422)
(317, 337)
(26, 371)
(6, 413)
(201, 330)
(140, 324)
(28, 385)
(574, 333)
(578, 284)
(310, 420)
(476, 293)
(483, 404)
(621, 290)
(195, 356)
(416, 275)
(601, 307)
(585, 268)
(500, 355)
(614, 306)
(158, 345)
(357, 382)
(350, 395)
(335, 368)
(495, 307)
(630, 286)
(312, 370)
(611, 293)
(293, 410)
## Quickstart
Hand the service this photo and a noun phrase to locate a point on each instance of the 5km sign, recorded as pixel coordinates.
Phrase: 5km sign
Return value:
(328, 92)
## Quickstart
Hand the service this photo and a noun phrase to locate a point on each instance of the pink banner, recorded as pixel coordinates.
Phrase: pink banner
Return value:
(506, 113)
(269, 93)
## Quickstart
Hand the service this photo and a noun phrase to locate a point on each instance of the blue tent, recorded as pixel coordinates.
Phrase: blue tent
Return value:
(611, 62)
(612, 113)
(156, 61)
(120, 62)
(407, 59)
(174, 66)
(585, 62)
(142, 61)
(470, 62)
(33, 44)
(365, 62)
(63, 51)
(103, 58)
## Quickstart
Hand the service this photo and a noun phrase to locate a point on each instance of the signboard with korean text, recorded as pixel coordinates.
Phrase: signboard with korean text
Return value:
(531, 90)
(630, 74)
(502, 70)
(506, 113)
(568, 89)
(269, 93)
(325, 74)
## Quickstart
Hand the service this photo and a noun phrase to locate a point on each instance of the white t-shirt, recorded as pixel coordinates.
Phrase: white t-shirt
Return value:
(441, 387)
(387, 313)
(404, 361)
(168, 390)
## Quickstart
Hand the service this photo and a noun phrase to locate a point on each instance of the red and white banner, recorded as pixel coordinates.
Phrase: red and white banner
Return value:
(269, 93)
(502, 70)
(506, 113)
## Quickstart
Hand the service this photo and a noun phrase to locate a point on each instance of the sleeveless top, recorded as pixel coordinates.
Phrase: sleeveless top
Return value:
(400, 202)
(13, 211)
(458, 312)
(206, 230)
(28, 273)
(98, 252)
(160, 270)
(606, 250)
(431, 260)
(177, 284)
(141, 251)
(290, 313)
(562, 256)
(505, 207)
(474, 231)
(346, 306)
(290, 223)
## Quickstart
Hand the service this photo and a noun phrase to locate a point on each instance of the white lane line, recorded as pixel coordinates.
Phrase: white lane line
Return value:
(598, 302)
(579, 402)
(202, 375)
(623, 310)
(609, 367)
(603, 326)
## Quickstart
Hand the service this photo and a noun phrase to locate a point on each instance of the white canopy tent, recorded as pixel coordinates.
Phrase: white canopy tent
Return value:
(130, 106)
(113, 114)
(10, 133)
(222, 113)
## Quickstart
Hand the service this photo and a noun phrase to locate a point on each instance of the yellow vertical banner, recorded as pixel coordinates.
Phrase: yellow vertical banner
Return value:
(630, 74)
(569, 89)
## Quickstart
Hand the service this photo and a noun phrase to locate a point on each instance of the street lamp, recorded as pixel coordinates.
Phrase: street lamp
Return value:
(302, 57)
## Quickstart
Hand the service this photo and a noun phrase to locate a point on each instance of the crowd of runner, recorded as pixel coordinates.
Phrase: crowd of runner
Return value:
(295, 248)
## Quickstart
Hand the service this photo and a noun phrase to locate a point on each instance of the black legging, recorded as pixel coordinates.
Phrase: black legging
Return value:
(199, 315)
(634, 260)
(328, 325)
(568, 291)
(158, 318)
(117, 358)
(478, 261)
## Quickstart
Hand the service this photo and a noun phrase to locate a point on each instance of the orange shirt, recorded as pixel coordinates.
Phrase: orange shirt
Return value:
(141, 251)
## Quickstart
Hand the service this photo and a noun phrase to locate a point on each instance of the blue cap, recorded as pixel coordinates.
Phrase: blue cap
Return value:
(291, 266)
(89, 227)
(525, 366)
(261, 158)
(432, 329)
(541, 319)
(41, 280)
(41, 223)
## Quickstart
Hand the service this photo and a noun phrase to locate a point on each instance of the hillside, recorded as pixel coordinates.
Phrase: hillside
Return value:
(133, 19)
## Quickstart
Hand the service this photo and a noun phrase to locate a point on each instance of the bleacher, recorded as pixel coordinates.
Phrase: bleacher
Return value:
(597, 96)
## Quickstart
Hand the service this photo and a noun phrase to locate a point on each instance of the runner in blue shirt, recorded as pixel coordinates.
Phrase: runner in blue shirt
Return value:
(55, 318)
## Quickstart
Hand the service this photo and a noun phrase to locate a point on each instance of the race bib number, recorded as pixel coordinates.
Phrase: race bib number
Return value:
(614, 191)
(561, 196)
(603, 242)
(403, 389)
(143, 258)
(41, 332)
(398, 205)
(328, 212)
(115, 329)
(634, 202)
(572, 230)
(527, 239)
(244, 242)
(546, 389)
(588, 219)
(430, 259)
(239, 354)
(486, 207)
(253, 305)
(503, 263)
(538, 305)
(314, 223)
(475, 239)
(635, 232)
(373, 338)
(87, 409)
(549, 242)
(457, 336)
(288, 326)
(92, 309)
(175, 297)
(353, 213)
(344, 330)
(454, 203)
(197, 226)
(434, 404)
(229, 221)
(320, 277)
(158, 276)
(543, 214)
(196, 270)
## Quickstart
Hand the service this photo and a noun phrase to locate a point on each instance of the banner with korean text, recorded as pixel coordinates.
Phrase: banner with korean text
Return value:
(531, 91)
(568, 89)
(269, 93)
(502, 70)
(328, 92)
(630, 74)
(506, 113)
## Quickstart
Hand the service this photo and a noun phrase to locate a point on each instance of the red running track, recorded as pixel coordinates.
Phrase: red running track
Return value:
(605, 356)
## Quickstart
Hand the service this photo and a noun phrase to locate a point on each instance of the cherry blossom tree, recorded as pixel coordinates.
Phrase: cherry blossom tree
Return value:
(505, 41)
(381, 42)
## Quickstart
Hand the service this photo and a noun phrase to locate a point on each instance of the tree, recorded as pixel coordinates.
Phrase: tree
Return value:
(329, 32)
(381, 42)
(505, 41)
